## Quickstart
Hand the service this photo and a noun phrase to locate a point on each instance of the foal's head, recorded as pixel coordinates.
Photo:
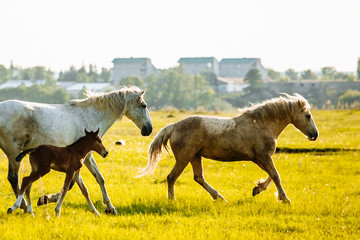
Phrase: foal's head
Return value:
(95, 144)
(303, 120)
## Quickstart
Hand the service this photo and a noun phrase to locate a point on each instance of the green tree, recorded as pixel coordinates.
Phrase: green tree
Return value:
(274, 75)
(132, 81)
(105, 75)
(358, 69)
(4, 74)
(69, 76)
(308, 75)
(328, 73)
(253, 77)
(291, 74)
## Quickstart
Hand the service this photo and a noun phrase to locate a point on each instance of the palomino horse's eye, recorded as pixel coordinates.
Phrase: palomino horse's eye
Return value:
(308, 116)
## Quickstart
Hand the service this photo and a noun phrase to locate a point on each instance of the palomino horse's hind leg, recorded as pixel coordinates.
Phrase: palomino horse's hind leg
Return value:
(261, 186)
(197, 166)
(173, 176)
(269, 167)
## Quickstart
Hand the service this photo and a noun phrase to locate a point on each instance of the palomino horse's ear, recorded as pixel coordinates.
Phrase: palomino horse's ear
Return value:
(97, 131)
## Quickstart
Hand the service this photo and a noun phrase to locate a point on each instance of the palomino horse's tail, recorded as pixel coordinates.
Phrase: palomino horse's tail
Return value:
(156, 148)
(23, 154)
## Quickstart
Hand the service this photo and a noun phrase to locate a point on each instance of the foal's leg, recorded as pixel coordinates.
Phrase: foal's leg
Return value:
(261, 186)
(68, 178)
(197, 166)
(85, 192)
(268, 164)
(90, 163)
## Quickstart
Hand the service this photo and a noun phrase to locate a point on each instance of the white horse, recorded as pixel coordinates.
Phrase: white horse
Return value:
(26, 125)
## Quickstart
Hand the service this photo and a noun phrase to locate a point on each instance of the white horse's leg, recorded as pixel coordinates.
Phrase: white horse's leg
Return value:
(13, 176)
(197, 166)
(269, 167)
(261, 186)
(92, 166)
(85, 192)
(16, 204)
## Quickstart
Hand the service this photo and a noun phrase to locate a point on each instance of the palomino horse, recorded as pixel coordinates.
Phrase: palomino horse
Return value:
(63, 159)
(250, 136)
(26, 125)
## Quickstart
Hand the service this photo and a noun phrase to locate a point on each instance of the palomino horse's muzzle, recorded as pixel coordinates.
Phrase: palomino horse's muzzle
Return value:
(313, 135)
(146, 130)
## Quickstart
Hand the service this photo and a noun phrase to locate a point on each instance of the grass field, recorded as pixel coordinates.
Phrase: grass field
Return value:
(324, 188)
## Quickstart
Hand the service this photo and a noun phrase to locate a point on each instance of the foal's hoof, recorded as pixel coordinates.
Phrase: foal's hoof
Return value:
(111, 211)
(9, 210)
(256, 191)
(43, 200)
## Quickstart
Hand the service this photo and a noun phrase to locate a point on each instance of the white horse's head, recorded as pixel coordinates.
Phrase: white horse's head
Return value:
(303, 120)
(138, 112)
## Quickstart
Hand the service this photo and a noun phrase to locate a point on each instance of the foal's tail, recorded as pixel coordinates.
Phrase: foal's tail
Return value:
(23, 154)
(156, 148)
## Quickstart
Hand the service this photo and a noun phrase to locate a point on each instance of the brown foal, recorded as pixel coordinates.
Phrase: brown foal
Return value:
(63, 159)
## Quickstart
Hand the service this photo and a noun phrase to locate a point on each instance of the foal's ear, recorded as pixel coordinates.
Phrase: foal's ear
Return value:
(86, 132)
(97, 131)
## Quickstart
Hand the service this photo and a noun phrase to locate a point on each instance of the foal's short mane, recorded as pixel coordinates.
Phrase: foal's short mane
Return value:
(277, 108)
(114, 100)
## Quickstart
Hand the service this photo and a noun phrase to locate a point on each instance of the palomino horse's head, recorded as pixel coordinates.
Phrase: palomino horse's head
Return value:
(303, 120)
(95, 143)
(138, 112)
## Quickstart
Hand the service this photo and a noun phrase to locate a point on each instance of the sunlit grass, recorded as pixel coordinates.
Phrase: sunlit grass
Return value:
(324, 189)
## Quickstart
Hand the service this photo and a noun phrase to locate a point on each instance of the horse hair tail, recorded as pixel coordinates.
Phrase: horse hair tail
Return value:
(156, 148)
(23, 154)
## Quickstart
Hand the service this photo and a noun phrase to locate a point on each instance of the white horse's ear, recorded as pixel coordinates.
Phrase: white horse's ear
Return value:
(142, 93)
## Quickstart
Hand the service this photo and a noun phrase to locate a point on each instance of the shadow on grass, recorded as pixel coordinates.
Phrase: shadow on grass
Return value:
(314, 150)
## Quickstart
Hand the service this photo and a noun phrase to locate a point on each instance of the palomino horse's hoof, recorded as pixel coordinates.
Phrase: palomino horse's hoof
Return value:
(9, 210)
(256, 191)
(111, 211)
(43, 200)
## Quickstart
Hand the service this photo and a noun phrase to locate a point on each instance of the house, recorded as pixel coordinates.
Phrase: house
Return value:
(199, 64)
(239, 67)
(138, 67)
(226, 85)
(18, 83)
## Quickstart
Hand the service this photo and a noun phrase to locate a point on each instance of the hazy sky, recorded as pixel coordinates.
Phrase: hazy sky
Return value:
(299, 34)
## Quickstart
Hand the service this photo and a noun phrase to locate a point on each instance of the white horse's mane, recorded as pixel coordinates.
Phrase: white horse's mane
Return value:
(114, 99)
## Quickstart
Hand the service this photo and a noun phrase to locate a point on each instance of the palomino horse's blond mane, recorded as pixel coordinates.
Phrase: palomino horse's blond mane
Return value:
(277, 108)
(114, 100)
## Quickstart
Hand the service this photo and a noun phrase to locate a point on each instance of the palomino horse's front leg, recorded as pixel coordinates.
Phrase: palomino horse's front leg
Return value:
(261, 185)
(269, 167)
(92, 166)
